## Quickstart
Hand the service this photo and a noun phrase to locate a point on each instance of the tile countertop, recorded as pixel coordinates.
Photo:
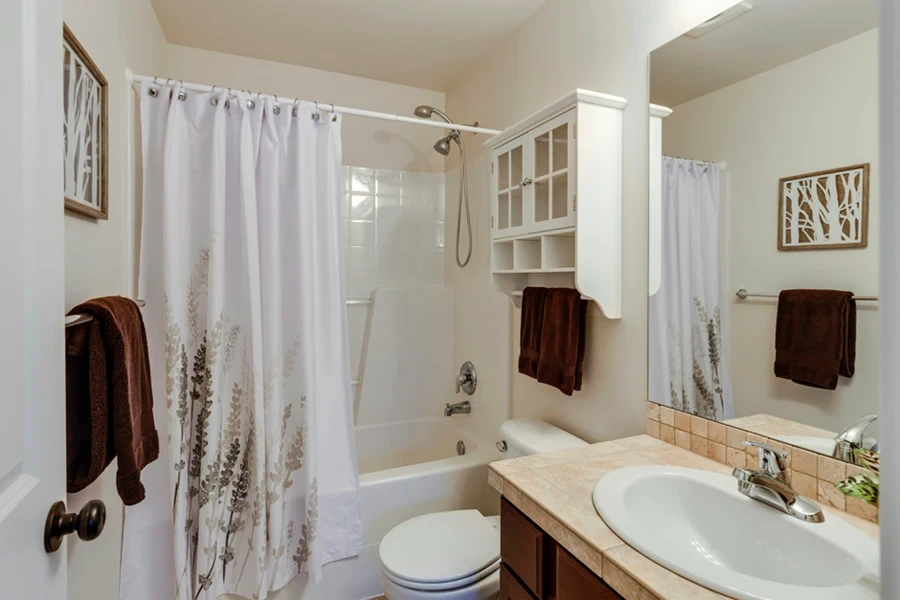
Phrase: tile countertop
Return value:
(554, 490)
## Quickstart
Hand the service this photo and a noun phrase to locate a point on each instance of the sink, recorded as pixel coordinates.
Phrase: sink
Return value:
(822, 445)
(698, 525)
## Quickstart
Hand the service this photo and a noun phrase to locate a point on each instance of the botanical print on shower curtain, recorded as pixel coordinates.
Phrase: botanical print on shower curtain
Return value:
(242, 249)
(688, 365)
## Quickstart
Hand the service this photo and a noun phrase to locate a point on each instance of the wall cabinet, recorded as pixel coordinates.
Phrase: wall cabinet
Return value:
(556, 200)
(535, 567)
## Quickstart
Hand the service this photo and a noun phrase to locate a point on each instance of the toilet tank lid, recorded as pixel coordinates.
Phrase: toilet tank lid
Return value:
(532, 436)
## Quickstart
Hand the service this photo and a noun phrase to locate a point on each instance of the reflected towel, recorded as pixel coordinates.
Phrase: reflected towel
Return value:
(815, 337)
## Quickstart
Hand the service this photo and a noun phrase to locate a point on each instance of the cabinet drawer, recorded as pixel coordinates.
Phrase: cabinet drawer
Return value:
(510, 588)
(574, 581)
(522, 546)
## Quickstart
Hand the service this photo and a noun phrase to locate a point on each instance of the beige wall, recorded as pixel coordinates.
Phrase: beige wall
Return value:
(366, 142)
(117, 34)
(600, 45)
(829, 119)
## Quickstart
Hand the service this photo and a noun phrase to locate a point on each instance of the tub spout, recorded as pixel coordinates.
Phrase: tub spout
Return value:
(455, 409)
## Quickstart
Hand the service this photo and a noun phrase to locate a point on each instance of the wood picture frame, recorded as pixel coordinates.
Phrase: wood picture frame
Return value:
(812, 204)
(85, 131)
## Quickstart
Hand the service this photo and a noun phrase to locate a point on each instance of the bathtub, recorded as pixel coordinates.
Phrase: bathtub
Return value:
(406, 469)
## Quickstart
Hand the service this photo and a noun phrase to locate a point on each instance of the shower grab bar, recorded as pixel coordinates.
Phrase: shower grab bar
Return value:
(743, 294)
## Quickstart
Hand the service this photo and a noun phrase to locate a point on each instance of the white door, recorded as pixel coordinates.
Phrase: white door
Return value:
(32, 394)
(511, 195)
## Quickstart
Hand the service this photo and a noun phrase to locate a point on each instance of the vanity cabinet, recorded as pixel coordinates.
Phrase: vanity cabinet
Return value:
(535, 567)
(556, 200)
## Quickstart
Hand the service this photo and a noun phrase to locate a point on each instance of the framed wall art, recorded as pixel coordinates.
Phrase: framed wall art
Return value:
(85, 131)
(824, 210)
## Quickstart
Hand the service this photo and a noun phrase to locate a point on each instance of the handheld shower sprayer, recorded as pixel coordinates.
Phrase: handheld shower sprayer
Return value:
(442, 147)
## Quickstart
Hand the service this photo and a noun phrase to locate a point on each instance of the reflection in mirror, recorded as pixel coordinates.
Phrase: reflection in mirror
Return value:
(764, 178)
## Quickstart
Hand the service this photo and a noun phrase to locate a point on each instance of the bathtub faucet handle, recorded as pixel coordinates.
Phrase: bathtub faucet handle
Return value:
(467, 380)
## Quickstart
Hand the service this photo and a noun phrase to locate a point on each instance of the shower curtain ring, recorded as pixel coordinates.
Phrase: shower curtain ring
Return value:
(168, 79)
(296, 107)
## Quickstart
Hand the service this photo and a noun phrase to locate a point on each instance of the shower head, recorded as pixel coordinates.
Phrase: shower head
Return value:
(424, 111)
(442, 146)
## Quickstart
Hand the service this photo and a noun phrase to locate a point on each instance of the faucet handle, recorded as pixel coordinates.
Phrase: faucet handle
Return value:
(771, 460)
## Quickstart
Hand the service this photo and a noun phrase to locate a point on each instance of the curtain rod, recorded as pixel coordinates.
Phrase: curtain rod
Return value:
(341, 110)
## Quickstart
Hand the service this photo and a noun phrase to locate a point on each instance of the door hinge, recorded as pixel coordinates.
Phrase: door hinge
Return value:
(492, 167)
(492, 221)
(575, 203)
(575, 131)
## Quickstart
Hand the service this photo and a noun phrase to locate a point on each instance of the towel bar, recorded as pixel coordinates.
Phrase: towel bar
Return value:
(744, 294)
(79, 319)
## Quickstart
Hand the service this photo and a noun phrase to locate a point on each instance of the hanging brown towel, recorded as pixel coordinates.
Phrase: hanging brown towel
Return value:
(109, 402)
(815, 337)
(530, 330)
(563, 335)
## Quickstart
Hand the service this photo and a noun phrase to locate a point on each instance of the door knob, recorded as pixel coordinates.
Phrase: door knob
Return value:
(88, 523)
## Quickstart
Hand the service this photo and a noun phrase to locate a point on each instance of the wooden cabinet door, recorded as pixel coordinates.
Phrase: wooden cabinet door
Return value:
(522, 547)
(510, 588)
(574, 581)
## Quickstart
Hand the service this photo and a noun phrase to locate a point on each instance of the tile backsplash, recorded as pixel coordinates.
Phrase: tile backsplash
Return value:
(812, 475)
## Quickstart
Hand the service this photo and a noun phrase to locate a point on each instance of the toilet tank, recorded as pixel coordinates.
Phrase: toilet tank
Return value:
(530, 436)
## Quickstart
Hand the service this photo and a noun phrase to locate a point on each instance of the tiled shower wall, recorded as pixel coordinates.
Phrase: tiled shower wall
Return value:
(393, 236)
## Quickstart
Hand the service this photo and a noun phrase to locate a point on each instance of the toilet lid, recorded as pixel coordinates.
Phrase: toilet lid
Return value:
(440, 547)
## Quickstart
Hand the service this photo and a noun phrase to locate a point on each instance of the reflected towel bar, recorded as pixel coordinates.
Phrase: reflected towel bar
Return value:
(744, 294)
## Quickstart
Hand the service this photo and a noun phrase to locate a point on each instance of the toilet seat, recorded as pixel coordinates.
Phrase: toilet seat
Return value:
(445, 585)
(441, 551)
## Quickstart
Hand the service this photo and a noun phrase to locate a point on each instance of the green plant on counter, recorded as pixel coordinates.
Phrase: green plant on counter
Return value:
(863, 485)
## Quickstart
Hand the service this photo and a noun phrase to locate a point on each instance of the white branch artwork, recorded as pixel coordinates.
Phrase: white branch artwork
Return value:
(83, 132)
(826, 209)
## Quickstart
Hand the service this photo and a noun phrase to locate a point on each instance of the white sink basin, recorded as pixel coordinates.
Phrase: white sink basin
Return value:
(698, 525)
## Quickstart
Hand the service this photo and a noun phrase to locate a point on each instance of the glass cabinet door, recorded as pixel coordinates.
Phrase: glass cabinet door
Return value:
(553, 154)
(511, 189)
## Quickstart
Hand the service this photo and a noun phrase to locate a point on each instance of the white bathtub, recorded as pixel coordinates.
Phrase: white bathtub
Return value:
(406, 469)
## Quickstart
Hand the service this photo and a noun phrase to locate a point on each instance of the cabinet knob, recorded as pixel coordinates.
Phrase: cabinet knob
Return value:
(87, 523)
(526, 182)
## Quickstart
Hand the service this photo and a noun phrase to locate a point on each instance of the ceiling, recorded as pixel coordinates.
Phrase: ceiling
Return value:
(425, 43)
(773, 33)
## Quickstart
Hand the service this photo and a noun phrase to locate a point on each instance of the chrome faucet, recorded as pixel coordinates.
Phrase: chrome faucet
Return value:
(771, 485)
(853, 438)
(458, 408)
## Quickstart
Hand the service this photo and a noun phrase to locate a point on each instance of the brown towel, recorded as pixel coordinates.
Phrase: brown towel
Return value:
(815, 337)
(563, 334)
(530, 330)
(109, 403)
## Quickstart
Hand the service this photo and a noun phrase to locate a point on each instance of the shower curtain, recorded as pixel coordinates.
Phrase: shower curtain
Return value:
(242, 270)
(688, 351)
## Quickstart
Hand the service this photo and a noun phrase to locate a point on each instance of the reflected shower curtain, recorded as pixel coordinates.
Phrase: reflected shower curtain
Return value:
(688, 362)
(242, 270)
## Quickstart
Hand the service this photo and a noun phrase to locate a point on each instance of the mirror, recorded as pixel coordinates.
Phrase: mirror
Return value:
(764, 177)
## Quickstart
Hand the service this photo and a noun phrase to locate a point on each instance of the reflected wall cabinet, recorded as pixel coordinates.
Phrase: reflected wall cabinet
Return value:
(556, 200)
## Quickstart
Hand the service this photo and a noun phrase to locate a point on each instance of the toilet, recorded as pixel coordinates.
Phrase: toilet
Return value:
(455, 555)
